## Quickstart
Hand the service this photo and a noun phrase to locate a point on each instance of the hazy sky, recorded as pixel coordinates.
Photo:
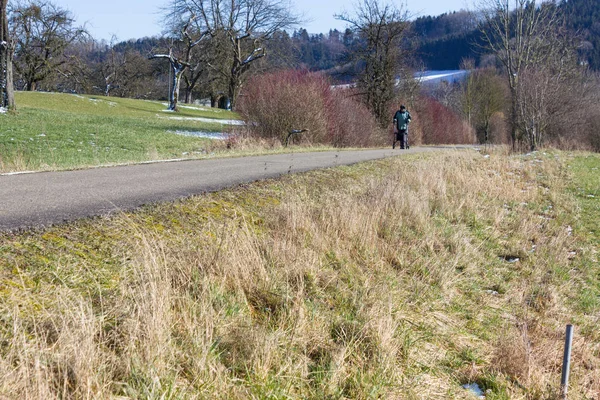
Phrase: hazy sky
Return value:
(129, 19)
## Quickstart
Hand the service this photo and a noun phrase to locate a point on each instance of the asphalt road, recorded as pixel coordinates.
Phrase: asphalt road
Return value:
(47, 198)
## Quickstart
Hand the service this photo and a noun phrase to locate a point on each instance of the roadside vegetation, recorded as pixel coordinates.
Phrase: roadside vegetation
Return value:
(400, 278)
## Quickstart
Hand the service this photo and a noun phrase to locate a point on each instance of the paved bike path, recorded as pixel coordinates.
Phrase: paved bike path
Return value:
(47, 198)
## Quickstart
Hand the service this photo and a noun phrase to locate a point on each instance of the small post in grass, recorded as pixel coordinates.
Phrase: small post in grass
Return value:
(564, 381)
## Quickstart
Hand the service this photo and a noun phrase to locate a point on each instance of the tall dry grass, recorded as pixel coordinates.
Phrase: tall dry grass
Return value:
(382, 280)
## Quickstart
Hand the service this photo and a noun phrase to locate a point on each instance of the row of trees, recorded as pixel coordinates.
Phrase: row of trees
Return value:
(34, 38)
(211, 40)
(534, 86)
(211, 47)
(540, 63)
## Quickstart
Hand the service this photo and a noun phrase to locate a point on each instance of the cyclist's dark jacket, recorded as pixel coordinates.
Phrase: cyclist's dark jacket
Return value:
(402, 119)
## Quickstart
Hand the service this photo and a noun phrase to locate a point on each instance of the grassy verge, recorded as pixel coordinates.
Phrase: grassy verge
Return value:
(586, 188)
(401, 278)
(60, 131)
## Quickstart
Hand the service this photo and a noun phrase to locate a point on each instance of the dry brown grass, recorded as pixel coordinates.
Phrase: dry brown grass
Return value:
(381, 280)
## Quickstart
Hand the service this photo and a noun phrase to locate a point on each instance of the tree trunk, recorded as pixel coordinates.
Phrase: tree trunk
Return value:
(7, 97)
(178, 70)
(232, 92)
(174, 95)
(10, 88)
(514, 118)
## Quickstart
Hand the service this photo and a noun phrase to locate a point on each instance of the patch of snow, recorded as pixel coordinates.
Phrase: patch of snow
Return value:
(569, 230)
(209, 120)
(202, 108)
(19, 173)
(591, 196)
(345, 86)
(206, 135)
(79, 96)
(512, 260)
(475, 389)
(486, 156)
(450, 76)
(492, 292)
(42, 135)
(3, 110)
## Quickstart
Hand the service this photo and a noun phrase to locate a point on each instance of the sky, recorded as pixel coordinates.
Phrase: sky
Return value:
(133, 19)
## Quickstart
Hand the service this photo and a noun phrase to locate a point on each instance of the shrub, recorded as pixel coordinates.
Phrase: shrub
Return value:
(350, 123)
(277, 102)
(439, 125)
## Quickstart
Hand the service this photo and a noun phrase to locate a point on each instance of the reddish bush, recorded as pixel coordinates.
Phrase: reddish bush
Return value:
(350, 123)
(278, 102)
(439, 125)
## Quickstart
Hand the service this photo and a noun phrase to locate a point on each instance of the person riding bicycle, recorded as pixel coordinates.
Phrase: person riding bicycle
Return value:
(401, 120)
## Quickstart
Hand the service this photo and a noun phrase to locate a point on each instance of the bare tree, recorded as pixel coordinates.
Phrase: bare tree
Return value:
(196, 52)
(42, 32)
(109, 72)
(177, 68)
(380, 28)
(467, 102)
(484, 95)
(7, 98)
(543, 85)
(518, 32)
(247, 25)
(180, 64)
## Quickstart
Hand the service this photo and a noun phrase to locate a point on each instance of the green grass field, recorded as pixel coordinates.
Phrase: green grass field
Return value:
(586, 187)
(61, 131)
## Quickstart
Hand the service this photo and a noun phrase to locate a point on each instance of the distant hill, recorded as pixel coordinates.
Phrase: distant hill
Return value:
(443, 41)
(583, 18)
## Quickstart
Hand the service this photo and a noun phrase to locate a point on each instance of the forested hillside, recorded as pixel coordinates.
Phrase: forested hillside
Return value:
(445, 40)
(583, 17)
(440, 42)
